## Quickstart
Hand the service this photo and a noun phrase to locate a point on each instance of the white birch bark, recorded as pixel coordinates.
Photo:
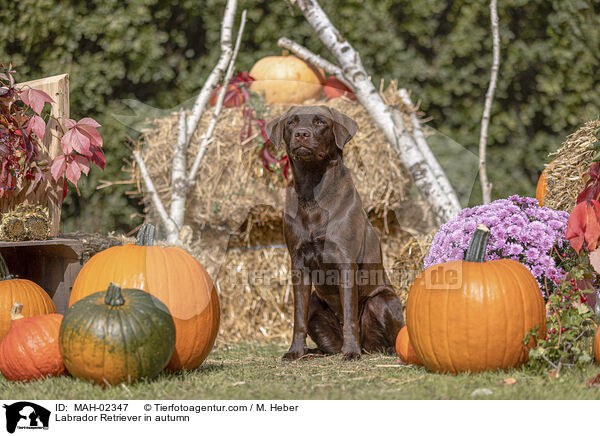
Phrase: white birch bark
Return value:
(486, 186)
(170, 226)
(436, 169)
(217, 72)
(355, 74)
(219, 105)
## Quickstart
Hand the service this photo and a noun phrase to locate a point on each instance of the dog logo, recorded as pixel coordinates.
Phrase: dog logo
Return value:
(26, 415)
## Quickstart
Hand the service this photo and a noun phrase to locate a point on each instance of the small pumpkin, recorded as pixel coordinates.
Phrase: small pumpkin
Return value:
(286, 79)
(119, 335)
(540, 190)
(596, 346)
(404, 348)
(171, 275)
(34, 299)
(30, 349)
(473, 315)
(542, 186)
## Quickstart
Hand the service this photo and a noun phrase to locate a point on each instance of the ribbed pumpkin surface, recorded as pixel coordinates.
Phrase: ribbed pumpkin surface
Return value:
(286, 79)
(30, 349)
(34, 299)
(474, 316)
(112, 344)
(171, 275)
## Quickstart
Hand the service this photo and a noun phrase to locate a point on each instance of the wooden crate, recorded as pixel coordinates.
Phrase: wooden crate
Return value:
(53, 264)
(47, 193)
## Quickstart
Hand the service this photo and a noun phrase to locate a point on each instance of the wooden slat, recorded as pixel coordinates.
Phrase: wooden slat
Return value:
(48, 194)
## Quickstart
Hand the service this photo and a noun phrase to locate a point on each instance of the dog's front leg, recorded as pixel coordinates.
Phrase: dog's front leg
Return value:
(301, 283)
(349, 299)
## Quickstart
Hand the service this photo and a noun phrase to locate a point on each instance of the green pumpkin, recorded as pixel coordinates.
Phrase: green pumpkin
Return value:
(118, 335)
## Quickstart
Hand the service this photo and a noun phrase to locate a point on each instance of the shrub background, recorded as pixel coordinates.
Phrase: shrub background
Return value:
(159, 52)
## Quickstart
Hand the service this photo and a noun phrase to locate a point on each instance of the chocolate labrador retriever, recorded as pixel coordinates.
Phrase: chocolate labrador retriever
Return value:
(331, 242)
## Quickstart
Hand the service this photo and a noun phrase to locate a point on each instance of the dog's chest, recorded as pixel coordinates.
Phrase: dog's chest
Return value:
(308, 237)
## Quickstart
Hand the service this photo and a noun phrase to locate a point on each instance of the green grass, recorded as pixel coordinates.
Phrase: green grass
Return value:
(255, 371)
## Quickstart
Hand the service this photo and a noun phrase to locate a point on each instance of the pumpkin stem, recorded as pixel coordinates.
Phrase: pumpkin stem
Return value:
(4, 272)
(478, 246)
(15, 312)
(145, 235)
(114, 296)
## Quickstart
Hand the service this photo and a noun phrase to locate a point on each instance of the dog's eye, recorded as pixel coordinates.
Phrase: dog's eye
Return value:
(319, 121)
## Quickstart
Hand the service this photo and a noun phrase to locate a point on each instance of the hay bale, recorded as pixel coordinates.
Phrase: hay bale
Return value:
(569, 163)
(236, 195)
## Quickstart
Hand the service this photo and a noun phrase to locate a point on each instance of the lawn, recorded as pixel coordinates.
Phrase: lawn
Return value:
(255, 371)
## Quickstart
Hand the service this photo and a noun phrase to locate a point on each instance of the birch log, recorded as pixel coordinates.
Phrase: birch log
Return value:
(217, 72)
(355, 74)
(174, 220)
(218, 106)
(419, 137)
(179, 186)
(486, 186)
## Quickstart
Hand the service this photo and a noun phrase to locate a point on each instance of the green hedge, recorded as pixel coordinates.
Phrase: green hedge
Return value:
(159, 52)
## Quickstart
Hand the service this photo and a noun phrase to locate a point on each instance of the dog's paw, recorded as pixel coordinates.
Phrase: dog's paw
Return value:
(293, 355)
(351, 355)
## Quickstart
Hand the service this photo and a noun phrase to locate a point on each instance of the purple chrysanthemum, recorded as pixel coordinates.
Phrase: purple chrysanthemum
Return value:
(519, 230)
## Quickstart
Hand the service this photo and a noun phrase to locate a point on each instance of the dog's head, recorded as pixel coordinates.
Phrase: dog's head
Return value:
(312, 133)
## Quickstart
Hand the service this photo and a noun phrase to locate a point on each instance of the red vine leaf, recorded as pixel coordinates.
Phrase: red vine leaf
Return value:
(592, 184)
(37, 125)
(75, 140)
(81, 136)
(76, 166)
(98, 157)
(584, 226)
(35, 99)
(58, 167)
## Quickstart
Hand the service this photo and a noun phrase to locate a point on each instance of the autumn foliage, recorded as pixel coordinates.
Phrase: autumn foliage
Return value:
(23, 123)
(583, 229)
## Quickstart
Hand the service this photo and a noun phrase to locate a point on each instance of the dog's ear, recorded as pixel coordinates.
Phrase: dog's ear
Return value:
(344, 127)
(274, 128)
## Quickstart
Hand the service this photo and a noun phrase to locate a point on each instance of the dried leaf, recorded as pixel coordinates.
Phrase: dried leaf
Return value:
(509, 381)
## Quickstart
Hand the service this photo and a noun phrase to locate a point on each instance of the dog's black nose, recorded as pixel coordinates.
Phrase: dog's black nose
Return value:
(302, 133)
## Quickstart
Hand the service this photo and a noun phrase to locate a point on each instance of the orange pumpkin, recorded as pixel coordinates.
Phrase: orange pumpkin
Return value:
(540, 190)
(34, 299)
(542, 186)
(404, 348)
(473, 315)
(172, 276)
(30, 349)
(286, 79)
(596, 346)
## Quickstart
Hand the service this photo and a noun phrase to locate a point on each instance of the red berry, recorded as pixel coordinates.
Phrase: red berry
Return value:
(553, 331)
(563, 329)
(564, 254)
(583, 298)
(552, 277)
